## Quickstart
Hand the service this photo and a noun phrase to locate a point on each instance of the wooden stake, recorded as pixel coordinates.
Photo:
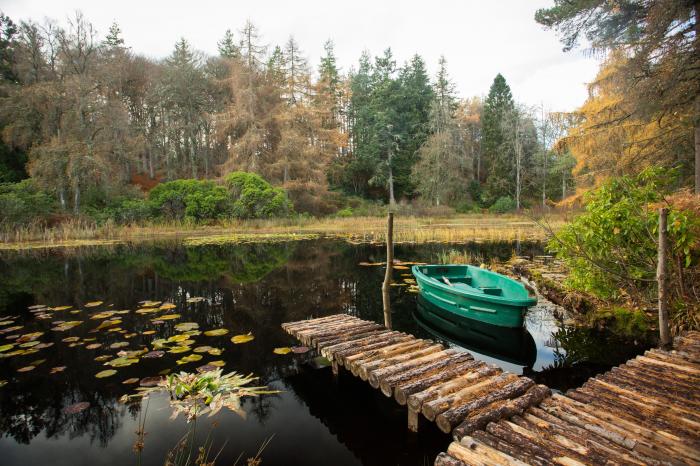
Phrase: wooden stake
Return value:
(386, 301)
(662, 278)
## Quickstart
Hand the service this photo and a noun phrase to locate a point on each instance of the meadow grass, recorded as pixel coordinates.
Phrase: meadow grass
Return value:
(409, 229)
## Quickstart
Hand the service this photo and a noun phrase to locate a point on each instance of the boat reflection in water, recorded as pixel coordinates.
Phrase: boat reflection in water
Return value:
(506, 347)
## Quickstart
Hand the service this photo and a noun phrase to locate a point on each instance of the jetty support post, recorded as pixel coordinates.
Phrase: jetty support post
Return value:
(386, 300)
(662, 279)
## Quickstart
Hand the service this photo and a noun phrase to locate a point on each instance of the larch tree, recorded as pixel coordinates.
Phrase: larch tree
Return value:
(660, 43)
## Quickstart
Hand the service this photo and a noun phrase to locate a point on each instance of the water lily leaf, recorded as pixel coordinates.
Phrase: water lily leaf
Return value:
(43, 345)
(319, 362)
(26, 369)
(10, 329)
(179, 349)
(164, 372)
(206, 368)
(29, 337)
(157, 322)
(148, 332)
(150, 303)
(94, 346)
(121, 362)
(37, 306)
(6, 322)
(215, 351)
(166, 306)
(176, 338)
(300, 349)
(7, 347)
(102, 315)
(116, 329)
(108, 323)
(189, 358)
(103, 357)
(150, 381)
(38, 362)
(57, 369)
(216, 332)
(119, 344)
(202, 349)
(195, 299)
(169, 317)
(123, 311)
(93, 304)
(147, 310)
(29, 344)
(70, 339)
(186, 326)
(159, 343)
(218, 363)
(238, 339)
(154, 354)
(106, 373)
(3, 383)
(67, 325)
(77, 343)
(131, 381)
(60, 308)
(76, 407)
(284, 350)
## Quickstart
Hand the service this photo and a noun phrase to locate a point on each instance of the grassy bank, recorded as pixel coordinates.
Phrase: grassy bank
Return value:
(454, 229)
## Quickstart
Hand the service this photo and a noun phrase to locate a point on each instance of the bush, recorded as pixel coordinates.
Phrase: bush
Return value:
(467, 207)
(611, 249)
(133, 211)
(502, 205)
(23, 203)
(343, 213)
(190, 199)
(253, 197)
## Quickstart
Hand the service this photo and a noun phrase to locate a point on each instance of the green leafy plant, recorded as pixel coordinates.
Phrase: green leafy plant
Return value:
(190, 199)
(24, 203)
(502, 205)
(253, 197)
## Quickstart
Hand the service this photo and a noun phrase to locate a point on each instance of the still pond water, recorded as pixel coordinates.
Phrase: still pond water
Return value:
(315, 419)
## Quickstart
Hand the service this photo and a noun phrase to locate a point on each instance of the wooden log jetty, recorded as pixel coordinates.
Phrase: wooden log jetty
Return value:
(644, 412)
(444, 385)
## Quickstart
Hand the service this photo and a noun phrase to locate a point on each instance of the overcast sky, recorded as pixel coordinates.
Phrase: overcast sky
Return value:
(479, 38)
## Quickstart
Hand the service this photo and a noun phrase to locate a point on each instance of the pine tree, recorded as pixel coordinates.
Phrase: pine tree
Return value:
(227, 46)
(496, 165)
(114, 38)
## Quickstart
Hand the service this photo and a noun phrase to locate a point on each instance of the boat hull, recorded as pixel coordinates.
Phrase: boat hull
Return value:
(460, 305)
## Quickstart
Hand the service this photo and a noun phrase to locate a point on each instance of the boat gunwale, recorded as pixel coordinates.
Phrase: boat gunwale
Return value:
(467, 293)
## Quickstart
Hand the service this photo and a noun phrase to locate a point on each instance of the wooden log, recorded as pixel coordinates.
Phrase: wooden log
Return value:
(396, 357)
(328, 351)
(600, 444)
(403, 391)
(383, 354)
(657, 359)
(388, 365)
(291, 326)
(413, 420)
(476, 452)
(500, 409)
(501, 445)
(443, 459)
(662, 277)
(309, 336)
(315, 325)
(685, 379)
(416, 400)
(354, 333)
(387, 384)
(453, 416)
(669, 395)
(498, 429)
(461, 393)
(376, 376)
(353, 353)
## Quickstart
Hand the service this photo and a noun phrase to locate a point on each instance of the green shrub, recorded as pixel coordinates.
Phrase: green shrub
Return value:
(611, 249)
(133, 211)
(253, 197)
(343, 213)
(23, 203)
(502, 205)
(191, 200)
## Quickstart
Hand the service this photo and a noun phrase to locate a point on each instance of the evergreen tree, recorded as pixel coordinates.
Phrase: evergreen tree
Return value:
(114, 38)
(496, 165)
(227, 46)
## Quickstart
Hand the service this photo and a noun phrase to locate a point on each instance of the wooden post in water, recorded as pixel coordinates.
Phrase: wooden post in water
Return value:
(386, 301)
(662, 279)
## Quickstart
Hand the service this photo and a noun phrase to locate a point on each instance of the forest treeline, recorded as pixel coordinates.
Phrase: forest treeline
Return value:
(93, 124)
(89, 126)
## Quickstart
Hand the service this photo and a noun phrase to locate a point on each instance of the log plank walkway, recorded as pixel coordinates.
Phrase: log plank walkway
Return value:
(446, 386)
(644, 412)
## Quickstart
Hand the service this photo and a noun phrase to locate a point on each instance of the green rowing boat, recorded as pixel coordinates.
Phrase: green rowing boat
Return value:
(469, 292)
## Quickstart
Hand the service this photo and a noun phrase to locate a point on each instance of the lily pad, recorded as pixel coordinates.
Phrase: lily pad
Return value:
(217, 363)
(60, 308)
(147, 310)
(93, 304)
(29, 344)
(108, 323)
(8, 347)
(154, 354)
(131, 381)
(94, 346)
(70, 339)
(148, 332)
(202, 349)
(186, 326)
(179, 349)
(105, 373)
(122, 362)
(284, 350)
(177, 338)
(164, 372)
(102, 315)
(216, 332)
(215, 351)
(29, 337)
(150, 303)
(166, 306)
(195, 299)
(76, 407)
(169, 317)
(102, 358)
(189, 358)
(238, 339)
(57, 369)
(300, 349)
(3, 383)
(26, 369)
(119, 344)
(150, 381)
(67, 325)
(206, 368)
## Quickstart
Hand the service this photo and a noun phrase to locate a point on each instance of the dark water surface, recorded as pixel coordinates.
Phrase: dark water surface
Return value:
(316, 419)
